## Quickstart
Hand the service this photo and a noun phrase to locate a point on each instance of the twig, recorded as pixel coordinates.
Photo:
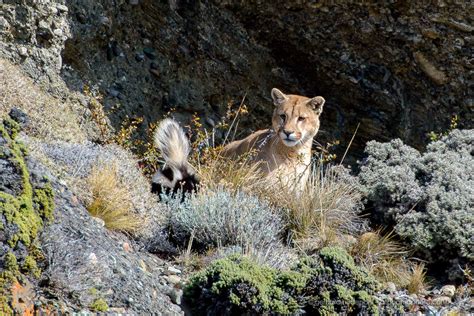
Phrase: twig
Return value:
(350, 143)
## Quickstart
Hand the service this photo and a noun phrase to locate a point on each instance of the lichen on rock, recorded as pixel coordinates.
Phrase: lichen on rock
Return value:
(24, 209)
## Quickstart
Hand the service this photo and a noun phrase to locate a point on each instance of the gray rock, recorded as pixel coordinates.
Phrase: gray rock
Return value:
(173, 270)
(173, 279)
(448, 290)
(176, 295)
(149, 52)
(391, 287)
(62, 8)
(23, 51)
(441, 301)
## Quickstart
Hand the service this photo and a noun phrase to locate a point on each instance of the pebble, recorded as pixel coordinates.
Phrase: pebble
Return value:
(149, 52)
(92, 258)
(114, 93)
(441, 300)
(155, 72)
(210, 122)
(117, 310)
(62, 8)
(153, 65)
(448, 290)
(23, 51)
(173, 279)
(391, 287)
(173, 270)
(126, 246)
(58, 32)
(176, 296)
(104, 20)
(133, 2)
(139, 57)
(99, 221)
(42, 25)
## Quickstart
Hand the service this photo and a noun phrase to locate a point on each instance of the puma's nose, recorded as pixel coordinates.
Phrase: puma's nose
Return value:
(288, 133)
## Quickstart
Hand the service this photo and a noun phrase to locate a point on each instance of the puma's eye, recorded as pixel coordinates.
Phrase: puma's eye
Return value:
(283, 116)
(301, 119)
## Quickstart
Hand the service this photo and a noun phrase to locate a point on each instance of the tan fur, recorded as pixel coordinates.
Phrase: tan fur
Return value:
(282, 159)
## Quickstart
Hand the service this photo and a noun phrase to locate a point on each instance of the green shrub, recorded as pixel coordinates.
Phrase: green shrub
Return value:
(325, 284)
(236, 285)
(428, 198)
(336, 285)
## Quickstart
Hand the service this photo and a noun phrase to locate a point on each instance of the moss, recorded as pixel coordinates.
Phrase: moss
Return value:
(44, 201)
(7, 277)
(12, 127)
(11, 263)
(29, 266)
(93, 291)
(99, 305)
(25, 212)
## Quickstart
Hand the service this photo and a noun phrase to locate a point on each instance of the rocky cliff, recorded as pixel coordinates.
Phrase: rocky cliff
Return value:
(400, 70)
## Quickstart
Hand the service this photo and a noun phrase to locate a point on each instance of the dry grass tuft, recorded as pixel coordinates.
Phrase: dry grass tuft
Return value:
(111, 200)
(417, 281)
(325, 213)
(383, 257)
(50, 118)
(233, 175)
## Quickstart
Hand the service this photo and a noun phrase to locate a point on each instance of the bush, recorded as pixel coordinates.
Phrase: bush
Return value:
(429, 198)
(236, 285)
(335, 285)
(221, 218)
(325, 284)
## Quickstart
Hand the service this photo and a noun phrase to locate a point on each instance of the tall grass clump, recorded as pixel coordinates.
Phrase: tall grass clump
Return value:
(383, 257)
(417, 281)
(326, 212)
(222, 218)
(111, 200)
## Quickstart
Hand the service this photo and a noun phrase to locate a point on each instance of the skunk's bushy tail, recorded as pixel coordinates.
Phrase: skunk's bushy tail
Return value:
(172, 142)
(177, 174)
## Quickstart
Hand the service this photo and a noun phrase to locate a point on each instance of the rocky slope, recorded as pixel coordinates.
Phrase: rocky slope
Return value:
(55, 257)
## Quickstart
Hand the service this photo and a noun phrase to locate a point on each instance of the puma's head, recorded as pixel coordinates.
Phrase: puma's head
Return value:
(296, 118)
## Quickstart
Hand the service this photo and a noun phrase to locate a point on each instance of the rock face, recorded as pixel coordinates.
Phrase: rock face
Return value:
(400, 70)
(54, 257)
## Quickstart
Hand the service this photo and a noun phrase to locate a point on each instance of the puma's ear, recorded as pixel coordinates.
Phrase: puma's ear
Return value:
(278, 97)
(316, 104)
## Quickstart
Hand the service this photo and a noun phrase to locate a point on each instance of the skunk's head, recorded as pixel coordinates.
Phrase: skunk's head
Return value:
(174, 180)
